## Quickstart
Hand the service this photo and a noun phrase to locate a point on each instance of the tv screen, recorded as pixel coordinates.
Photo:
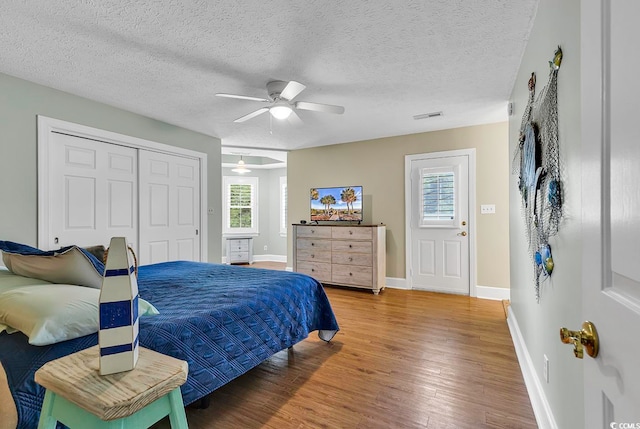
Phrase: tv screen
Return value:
(341, 203)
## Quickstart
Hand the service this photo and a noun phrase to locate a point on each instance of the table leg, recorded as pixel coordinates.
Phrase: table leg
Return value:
(177, 417)
(47, 421)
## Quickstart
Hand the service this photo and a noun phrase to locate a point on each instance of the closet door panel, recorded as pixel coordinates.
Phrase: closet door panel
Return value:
(158, 251)
(185, 249)
(158, 210)
(169, 208)
(79, 211)
(121, 204)
(93, 192)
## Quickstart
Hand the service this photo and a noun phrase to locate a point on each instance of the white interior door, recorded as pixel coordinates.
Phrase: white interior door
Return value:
(169, 208)
(611, 210)
(93, 192)
(439, 224)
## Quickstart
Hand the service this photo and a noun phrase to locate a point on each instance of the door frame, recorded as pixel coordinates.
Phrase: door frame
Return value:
(408, 159)
(47, 126)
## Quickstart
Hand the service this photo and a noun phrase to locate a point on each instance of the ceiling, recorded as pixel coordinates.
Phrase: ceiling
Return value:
(384, 61)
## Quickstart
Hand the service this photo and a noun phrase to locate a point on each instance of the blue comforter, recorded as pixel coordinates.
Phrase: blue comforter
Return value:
(223, 320)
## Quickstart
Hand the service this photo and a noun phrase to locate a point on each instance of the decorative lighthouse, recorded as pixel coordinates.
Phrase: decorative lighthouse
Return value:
(118, 334)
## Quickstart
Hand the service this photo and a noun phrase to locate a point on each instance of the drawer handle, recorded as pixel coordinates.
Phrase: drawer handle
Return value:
(350, 274)
(312, 231)
(350, 259)
(313, 244)
(313, 256)
(350, 246)
(313, 270)
(350, 232)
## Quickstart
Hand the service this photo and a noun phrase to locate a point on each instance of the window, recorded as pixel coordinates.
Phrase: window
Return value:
(240, 205)
(283, 206)
(438, 194)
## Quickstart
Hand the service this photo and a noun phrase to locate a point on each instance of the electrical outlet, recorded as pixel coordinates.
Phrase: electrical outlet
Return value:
(265, 248)
(487, 209)
(210, 211)
(545, 369)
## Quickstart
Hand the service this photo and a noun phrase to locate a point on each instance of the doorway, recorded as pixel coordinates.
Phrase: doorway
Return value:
(440, 221)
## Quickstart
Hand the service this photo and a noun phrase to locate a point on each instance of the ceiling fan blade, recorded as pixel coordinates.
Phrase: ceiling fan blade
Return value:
(242, 97)
(292, 89)
(294, 119)
(252, 115)
(317, 107)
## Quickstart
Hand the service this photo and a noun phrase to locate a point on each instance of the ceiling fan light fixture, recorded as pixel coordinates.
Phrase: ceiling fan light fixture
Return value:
(280, 111)
(241, 168)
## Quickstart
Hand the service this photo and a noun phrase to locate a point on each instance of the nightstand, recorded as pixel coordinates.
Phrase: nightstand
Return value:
(239, 250)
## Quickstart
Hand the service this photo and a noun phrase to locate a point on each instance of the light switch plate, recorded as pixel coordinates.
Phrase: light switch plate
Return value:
(487, 209)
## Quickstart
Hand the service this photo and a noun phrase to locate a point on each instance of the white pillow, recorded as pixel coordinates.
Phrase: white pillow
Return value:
(9, 281)
(52, 313)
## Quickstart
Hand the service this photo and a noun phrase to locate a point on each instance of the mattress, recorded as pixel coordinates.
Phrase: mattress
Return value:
(223, 320)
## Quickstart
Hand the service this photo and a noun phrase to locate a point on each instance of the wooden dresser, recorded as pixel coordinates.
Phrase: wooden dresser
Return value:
(350, 255)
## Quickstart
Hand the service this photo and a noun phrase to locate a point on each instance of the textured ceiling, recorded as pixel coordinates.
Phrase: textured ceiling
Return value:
(384, 61)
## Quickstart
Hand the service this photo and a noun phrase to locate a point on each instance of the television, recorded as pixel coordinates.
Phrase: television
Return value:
(342, 203)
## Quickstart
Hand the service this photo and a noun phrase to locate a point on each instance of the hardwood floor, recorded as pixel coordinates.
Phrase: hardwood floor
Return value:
(403, 359)
(269, 265)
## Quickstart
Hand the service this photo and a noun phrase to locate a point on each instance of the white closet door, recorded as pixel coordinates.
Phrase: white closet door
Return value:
(169, 208)
(93, 192)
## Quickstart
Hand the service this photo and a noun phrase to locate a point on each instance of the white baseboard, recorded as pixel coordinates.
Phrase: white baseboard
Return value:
(396, 283)
(264, 258)
(484, 292)
(290, 269)
(539, 403)
(270, 258)
(495, 293)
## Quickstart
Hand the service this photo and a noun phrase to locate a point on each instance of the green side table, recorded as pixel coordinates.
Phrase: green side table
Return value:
(79, 397)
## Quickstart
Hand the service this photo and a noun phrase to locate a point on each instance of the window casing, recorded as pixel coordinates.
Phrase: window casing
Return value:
(240, 198)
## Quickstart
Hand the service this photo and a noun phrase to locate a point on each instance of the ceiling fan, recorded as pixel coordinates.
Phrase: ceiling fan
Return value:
(281, 104)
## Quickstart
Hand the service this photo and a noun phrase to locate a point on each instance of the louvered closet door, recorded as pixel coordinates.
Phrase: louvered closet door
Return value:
(93, 192)
(169, 208)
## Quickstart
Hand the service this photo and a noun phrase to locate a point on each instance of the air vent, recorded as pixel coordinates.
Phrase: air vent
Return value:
(427, 115)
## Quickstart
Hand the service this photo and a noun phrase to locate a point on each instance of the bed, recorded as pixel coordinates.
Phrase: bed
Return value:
(223, 320)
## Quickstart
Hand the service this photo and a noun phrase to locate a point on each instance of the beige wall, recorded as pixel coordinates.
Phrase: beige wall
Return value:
(378, 165)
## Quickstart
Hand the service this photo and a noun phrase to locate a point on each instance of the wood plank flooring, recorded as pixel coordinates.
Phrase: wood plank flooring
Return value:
(403, 359)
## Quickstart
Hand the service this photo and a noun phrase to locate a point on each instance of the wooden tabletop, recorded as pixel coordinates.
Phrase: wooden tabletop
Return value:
(76, 378)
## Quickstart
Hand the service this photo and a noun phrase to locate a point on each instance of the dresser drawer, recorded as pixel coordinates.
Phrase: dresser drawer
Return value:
(312, 249)
(313, 231)
(236, 256)
(239, 245)
(362, 276)
(318, 270)
(345, 246)
(362, 259)
(313, 255)
(351, 233)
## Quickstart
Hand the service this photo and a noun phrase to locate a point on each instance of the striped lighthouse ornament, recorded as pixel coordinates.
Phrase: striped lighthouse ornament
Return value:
(118, 333)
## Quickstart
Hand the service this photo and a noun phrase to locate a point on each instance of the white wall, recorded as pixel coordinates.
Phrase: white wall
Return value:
(556, 23)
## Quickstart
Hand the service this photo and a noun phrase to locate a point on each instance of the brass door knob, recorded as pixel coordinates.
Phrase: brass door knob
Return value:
(587, 338)
(463, 233)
